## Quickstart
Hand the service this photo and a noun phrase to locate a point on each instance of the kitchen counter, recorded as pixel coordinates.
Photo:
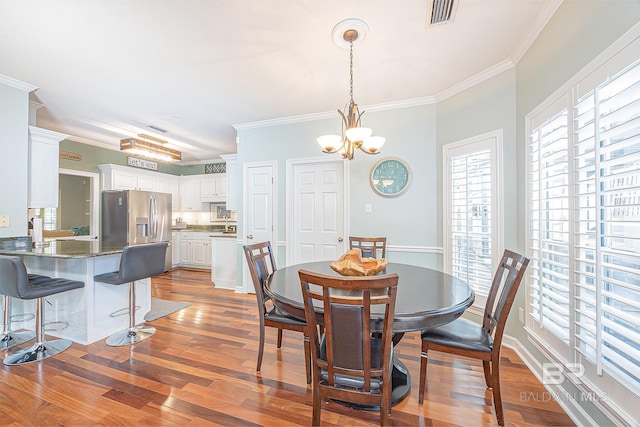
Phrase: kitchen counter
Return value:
(224, 235)
(88, 311)
(69, 249)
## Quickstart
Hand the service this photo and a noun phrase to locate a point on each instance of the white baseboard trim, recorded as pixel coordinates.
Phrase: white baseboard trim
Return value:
(577, 414)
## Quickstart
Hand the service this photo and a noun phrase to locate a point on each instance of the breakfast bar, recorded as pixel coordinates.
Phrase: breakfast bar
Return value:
(82, 315)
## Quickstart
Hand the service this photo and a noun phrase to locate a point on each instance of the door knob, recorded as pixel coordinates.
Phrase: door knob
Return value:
(339, 239)
(250, 236)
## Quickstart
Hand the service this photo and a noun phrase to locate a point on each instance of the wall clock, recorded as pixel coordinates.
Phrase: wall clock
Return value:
(390, 176)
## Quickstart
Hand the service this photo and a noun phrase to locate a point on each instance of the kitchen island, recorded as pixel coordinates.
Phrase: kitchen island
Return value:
(82, 315)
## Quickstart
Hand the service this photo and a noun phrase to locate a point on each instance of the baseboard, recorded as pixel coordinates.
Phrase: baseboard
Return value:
(577, 414)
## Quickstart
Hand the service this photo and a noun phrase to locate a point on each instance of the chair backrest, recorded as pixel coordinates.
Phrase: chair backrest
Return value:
(262, 263)
(369, 246)
(141, 261)
(348, 349)
(13, 276)
(503, 290)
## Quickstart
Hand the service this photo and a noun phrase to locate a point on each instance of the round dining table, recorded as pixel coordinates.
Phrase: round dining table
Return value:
(426, 298)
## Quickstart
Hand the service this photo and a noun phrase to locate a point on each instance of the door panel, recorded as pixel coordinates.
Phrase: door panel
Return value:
(317, 212)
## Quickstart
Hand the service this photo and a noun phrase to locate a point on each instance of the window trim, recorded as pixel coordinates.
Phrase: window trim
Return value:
(497, 221)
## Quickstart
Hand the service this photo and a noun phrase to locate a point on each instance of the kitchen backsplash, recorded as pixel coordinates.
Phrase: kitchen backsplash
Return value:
(192, 218)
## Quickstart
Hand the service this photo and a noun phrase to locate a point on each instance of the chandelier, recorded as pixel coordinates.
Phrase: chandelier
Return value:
(150, 150)
(354, 136)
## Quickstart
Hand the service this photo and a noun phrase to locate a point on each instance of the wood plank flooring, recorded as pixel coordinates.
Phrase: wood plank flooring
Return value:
(199, 370)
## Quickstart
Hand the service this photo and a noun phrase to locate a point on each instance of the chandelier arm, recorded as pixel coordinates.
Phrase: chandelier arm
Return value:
(368, 152)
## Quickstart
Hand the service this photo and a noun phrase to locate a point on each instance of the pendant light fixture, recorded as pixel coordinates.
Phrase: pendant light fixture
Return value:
(354, 136)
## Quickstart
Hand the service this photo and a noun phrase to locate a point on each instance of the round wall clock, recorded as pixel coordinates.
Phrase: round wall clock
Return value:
(390, 176)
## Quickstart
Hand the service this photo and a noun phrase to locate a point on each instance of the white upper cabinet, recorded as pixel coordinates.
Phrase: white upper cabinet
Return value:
(44, 152)
(190, 199)
(232, 181)
(117, 177)
(213, 187)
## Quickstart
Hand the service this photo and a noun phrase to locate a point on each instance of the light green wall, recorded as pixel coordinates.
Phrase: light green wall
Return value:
(14, 140)
(410, 134)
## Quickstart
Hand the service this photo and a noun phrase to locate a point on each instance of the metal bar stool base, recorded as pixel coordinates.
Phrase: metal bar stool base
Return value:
(11, 339)
(38, 351)
(131, 336)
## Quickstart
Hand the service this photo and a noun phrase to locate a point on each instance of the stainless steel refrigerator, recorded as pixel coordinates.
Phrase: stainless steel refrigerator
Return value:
(134, 217)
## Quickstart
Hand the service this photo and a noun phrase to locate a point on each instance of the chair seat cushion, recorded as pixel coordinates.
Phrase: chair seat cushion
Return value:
(42, 286)
(461, 334)
(277, 315)
(112, 278)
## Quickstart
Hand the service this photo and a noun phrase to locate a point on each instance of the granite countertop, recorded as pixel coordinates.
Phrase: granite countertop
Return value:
(224, 235)
(69, 249)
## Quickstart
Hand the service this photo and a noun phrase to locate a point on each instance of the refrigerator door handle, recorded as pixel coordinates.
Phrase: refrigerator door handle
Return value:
(153, 216)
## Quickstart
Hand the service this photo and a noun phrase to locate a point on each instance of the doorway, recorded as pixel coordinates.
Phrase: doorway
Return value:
(78, 204)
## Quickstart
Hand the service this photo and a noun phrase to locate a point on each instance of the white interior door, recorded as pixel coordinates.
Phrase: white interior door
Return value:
(259, 210)
(317, 210)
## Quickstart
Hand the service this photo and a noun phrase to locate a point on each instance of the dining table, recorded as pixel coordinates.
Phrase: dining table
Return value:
(426, 298)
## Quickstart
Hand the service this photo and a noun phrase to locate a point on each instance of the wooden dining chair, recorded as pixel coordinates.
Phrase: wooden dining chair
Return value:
(465, 338)
(369, 246)
(350, 363)
(262, 263)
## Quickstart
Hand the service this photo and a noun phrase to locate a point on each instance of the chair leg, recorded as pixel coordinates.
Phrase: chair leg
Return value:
(424, 359)
(317, 404)
(133, 334)
(497, 397)
(10, 339)
(486, 365)
(279, 337)
(41, 349)
(260, 345)
(307, 357)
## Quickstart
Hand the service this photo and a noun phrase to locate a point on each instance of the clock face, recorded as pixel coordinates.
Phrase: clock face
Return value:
(390, 176)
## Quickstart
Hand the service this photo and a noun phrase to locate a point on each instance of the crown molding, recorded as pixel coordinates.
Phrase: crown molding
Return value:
(332, 114)
(547, 11)
(474, 80)
(17, 84)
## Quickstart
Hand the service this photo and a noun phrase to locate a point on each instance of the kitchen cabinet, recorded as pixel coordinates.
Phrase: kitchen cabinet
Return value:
(213, 188)
(44, 153)
(190, 194)
(116, 177)
(175, 249)
(195, 249)
(223, 262)
(232, 180)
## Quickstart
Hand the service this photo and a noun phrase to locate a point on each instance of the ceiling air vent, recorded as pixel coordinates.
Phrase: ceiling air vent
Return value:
(441, 11)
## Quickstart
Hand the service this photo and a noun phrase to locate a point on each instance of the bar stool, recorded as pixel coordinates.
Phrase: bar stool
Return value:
(16, 283)
(136, 263)
(12, 338)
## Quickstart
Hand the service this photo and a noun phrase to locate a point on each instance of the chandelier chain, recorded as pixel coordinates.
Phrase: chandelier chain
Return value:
(351, 70)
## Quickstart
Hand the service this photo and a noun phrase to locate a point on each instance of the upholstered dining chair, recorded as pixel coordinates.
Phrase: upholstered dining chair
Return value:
(369, 246)
(483, 342)
(262, 263)
(350, 363)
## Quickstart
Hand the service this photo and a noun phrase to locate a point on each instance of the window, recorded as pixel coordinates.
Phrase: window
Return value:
(473, 238)
(583, 294)
(50, 220)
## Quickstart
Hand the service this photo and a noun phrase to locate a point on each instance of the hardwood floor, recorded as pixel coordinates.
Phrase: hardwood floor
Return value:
(199, 369)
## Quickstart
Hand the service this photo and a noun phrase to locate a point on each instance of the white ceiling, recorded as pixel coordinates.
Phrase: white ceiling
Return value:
(105, 69)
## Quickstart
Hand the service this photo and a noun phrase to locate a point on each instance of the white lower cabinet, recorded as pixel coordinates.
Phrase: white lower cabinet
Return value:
(223, 262)
(195, 249)
(175, 249)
